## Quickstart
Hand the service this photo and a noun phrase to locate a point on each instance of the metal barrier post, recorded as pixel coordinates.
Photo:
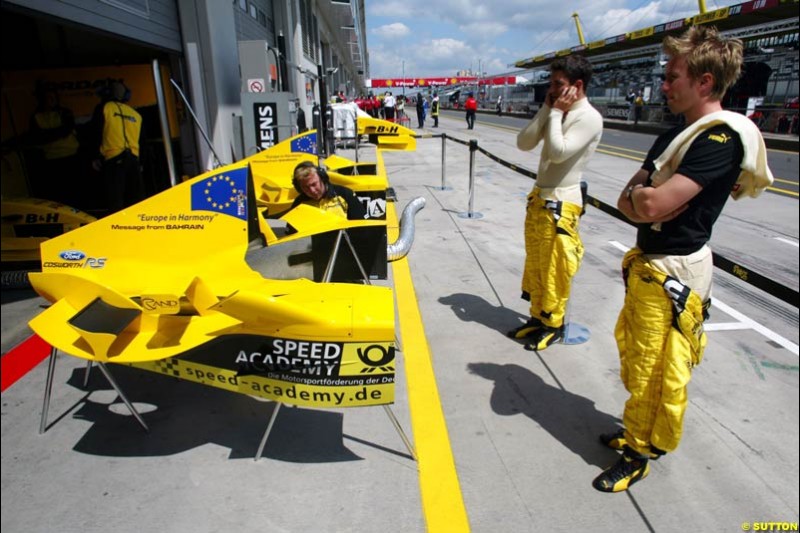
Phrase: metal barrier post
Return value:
(473, 147)
(444, 187)
(574, 333)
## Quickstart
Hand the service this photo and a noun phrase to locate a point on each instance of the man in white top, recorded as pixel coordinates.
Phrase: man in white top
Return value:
(571, 129)
(389, 103)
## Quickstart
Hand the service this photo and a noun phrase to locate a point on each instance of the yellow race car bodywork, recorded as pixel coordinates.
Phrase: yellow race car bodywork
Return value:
(28, 222)
(167, 279)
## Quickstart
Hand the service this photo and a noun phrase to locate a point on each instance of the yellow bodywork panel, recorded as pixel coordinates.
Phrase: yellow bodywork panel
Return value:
(163, 285)
(188, 244)
(28, 222)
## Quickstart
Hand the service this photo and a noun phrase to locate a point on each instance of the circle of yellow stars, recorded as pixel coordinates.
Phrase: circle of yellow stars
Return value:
(220, 205)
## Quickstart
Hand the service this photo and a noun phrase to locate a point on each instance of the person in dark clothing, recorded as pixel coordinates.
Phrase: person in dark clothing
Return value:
(420, 111)
(52, 129)
(302, 127)
(117, 127)
(471, 106)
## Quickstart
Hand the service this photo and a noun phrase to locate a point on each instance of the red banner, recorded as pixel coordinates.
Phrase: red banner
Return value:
(377, 83)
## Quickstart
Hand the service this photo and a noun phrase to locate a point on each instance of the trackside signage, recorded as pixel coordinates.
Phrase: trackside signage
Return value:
(298, 372)
(265, 116)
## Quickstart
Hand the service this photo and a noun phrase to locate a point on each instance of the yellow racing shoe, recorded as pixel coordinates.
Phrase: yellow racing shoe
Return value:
(526, 330)
(631, 468)
(617, 441)
(545, 337)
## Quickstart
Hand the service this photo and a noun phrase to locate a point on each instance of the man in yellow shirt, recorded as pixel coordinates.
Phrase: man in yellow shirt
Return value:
(119, 127)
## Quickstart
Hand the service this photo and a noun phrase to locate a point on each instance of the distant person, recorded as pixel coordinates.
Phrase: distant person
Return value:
(389, 103)
(675, 199)
(401, 108)
(118, 126)
(435, 110)
(302, 127)
(631, 99)
(52, 129)
(500, 105)
(420, 105)
(316, 190)
(471, 106)
(570, 130)
(638, 106)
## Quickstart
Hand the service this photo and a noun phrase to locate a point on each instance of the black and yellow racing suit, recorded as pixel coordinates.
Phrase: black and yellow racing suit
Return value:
(553, 254)
(660, 338)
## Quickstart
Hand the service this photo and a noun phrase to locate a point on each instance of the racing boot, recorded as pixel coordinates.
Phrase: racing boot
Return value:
(631, 468)
(525, 330)
(616, 441)
(544, 337)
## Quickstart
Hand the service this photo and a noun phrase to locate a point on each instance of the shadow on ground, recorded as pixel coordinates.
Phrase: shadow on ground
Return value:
(183, 415)
(570, 418)
(471, 308)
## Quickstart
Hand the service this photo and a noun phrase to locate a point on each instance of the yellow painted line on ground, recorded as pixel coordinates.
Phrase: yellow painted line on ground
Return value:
(786, 181)
(626, 156)
(442, 503)
(781, 151)
(621, 148)
(782, 191)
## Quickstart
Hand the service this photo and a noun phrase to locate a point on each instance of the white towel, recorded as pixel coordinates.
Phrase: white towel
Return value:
(755, 176)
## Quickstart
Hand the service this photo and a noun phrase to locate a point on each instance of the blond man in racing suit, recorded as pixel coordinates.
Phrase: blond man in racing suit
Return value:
(674, 199)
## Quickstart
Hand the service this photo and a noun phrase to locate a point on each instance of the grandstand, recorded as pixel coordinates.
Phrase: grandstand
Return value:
(769, 84)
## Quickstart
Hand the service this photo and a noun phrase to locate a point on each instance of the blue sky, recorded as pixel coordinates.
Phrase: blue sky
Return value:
(440, 37)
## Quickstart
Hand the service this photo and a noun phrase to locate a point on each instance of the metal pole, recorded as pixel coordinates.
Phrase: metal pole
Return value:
(128, 404)
(400, 431)
(473, 144)
(444, 164)
(196, 121)
(268, 431)
(332, 260)
(48, 387)
(162, 117)
(473, 147)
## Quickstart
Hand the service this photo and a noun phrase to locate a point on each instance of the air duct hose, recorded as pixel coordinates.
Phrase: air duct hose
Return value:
(400, 248)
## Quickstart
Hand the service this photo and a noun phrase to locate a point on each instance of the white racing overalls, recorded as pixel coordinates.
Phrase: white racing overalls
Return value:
(553, 254)
(660, 338)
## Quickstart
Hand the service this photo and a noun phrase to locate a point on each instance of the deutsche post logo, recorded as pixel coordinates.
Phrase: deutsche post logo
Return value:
(376, 357)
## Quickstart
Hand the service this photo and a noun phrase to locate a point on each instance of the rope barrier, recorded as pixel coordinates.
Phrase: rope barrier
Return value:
(746, 274)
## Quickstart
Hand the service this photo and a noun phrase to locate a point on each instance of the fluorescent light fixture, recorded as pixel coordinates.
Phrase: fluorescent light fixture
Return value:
(341, 2)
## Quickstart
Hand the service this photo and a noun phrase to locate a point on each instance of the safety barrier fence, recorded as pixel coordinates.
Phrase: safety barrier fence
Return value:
(744, 273)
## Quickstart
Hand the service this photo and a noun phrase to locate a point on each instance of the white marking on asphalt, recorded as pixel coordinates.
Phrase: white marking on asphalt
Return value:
(733, 313)
(725, 326)
(768, 333)
(619, 246)
(787, 241)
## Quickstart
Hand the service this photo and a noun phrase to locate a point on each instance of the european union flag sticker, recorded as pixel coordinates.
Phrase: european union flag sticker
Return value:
(306, 144)
(224, 193)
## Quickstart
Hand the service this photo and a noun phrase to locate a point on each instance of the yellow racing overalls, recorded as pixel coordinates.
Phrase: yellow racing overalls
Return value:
(660, 337)
(121, 128)
(553, 254)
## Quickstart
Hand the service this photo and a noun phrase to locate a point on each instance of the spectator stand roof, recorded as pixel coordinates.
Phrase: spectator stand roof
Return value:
(774, 16)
